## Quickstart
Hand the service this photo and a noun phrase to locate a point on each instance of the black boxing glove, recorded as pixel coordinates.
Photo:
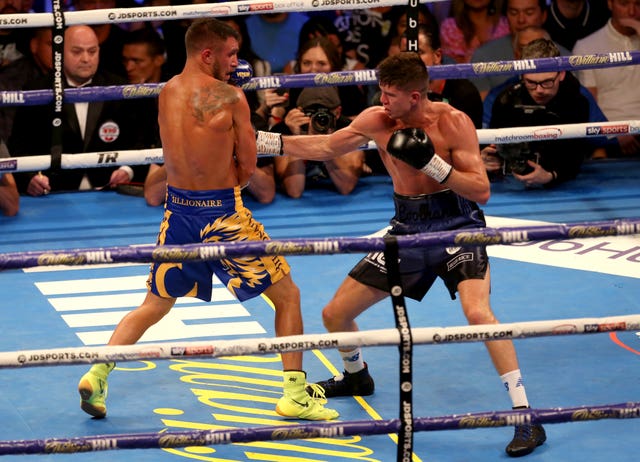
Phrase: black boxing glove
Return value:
(413, 146)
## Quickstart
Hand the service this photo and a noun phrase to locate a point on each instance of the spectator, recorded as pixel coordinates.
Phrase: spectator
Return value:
(520, 14)
(33, 66)
(520, 39)
(571, 20)
(319, 26)
(459, 93)
(441, 10)
(321, 38)
(366, 35)
(317, 112)
(616, 88)
(548, 98)
(172, 32)
(261, 67)
(425, 16)
(471, 23)
(143, 56)
(13, 41)
(318, 55)
(9, 197)
(110, 37)
(270, 36)
(86, 127)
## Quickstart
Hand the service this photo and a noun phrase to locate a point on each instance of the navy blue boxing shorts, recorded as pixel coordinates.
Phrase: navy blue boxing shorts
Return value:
(419, 267)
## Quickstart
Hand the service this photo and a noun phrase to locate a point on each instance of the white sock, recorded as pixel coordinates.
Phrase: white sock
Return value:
(515, 386)
(352, 360)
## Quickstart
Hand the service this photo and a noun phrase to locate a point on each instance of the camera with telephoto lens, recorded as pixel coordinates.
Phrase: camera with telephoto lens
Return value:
(322, 119)
(515, 157)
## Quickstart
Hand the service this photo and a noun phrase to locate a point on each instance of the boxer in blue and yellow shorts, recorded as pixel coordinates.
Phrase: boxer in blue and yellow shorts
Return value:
(209, 149)
(212, 216)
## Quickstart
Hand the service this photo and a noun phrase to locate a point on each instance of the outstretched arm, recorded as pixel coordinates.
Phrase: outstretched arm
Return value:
(323, 147)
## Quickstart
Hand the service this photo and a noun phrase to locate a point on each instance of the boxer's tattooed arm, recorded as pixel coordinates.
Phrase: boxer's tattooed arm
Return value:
(210, 100)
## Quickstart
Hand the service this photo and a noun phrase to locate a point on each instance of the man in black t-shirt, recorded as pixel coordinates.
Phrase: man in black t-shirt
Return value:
(548, 98)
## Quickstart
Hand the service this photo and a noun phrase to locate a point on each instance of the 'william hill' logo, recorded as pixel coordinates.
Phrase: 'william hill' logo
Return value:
(503, 67)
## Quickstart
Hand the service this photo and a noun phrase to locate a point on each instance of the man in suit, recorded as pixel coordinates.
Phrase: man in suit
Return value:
(86, 127)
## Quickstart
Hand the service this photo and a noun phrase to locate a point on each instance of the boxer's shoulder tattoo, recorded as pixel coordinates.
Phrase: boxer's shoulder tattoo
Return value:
(211, 99)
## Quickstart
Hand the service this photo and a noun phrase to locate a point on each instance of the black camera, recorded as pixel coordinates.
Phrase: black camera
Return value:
(515, 156)
(322, 119)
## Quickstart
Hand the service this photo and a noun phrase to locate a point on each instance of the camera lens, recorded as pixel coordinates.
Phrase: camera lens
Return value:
(322, 120)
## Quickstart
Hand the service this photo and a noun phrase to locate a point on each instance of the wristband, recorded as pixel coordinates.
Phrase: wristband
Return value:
(269, 143)
(437, 168)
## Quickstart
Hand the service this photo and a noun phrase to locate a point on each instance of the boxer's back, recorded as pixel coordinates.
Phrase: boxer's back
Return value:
(197, 132)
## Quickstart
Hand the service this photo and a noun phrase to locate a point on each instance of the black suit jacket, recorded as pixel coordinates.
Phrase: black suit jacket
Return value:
(110, 126)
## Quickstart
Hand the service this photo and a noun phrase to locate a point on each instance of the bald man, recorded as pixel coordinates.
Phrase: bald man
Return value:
(101, 126)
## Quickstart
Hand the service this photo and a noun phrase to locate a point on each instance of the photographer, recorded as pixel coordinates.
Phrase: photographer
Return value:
(548, 98)
(317, 111)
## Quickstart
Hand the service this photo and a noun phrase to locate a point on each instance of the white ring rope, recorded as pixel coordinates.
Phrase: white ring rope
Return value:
(371, 338)
(485, 136)
(190, 11)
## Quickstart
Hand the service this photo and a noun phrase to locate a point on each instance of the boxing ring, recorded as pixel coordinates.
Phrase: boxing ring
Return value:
(201, 386)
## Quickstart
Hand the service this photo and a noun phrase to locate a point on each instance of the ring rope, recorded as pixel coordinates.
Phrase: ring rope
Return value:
(325, 246)
(190, 11)
(340, 78)
(485, 136)
(285, 344)
(176, 439)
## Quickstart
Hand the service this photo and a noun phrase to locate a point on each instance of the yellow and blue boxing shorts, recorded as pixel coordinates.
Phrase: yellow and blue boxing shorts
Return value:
(214, 216)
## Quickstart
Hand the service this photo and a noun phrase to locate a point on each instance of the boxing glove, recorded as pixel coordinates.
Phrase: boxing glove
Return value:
(413, 146)
(242, 73)
(269, 143)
